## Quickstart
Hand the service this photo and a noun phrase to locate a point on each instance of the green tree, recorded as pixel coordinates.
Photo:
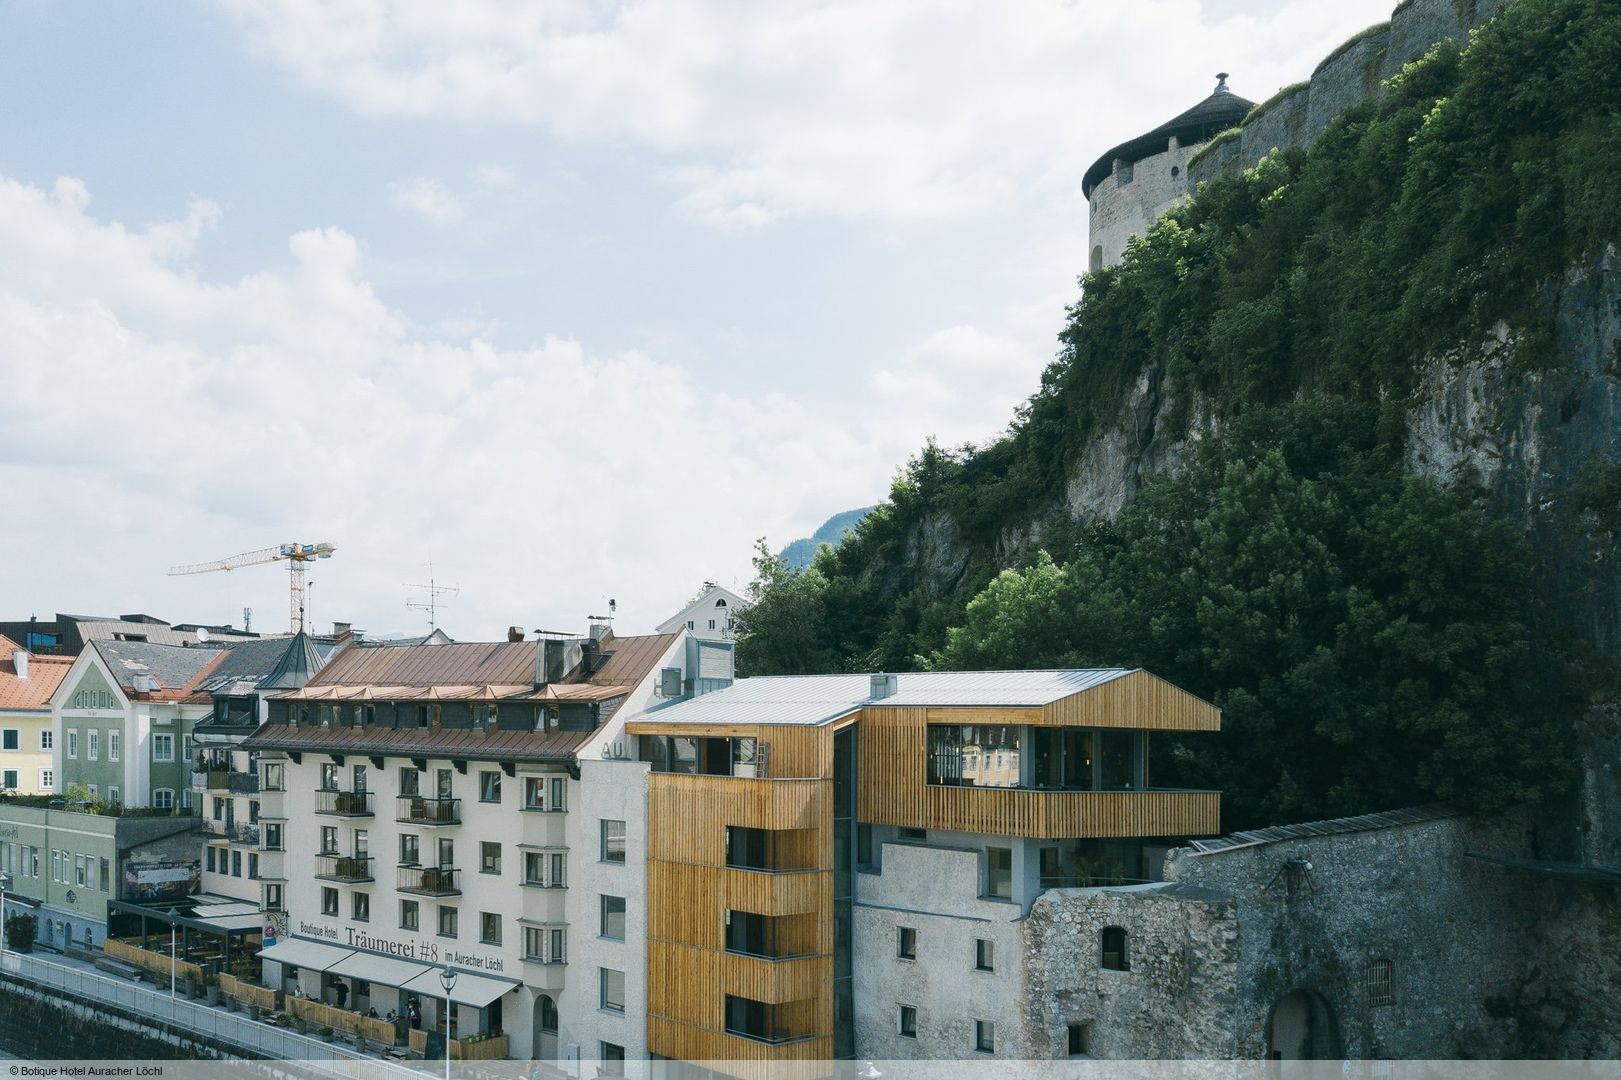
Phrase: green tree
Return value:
(780, 632)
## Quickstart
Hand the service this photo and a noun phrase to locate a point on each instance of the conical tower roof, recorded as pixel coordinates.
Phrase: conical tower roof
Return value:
(1218, 112)
(296, 667)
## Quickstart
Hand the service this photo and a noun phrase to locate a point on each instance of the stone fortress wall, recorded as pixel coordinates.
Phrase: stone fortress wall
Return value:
(1298, 114)
(1377, 937)
(1127, 203)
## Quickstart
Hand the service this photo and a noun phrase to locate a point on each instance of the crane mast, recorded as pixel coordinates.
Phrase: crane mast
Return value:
(296, 556)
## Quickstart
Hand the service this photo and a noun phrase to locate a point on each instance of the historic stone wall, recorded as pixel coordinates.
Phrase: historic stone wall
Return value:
(1121, 208)
(1175, 1001)
(1483, 960)
(1349, 74)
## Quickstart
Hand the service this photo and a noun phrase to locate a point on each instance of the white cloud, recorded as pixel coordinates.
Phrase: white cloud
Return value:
(494, 177)
(187, 419)
(427, 199)
(857, 107)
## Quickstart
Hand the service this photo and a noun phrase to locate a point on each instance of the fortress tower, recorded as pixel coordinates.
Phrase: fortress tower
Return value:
(1132, 184)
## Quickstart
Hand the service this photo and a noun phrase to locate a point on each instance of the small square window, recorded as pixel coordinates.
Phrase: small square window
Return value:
(985, 1036)
(409, 915)
(329, 901)
(984, 954)
(1380, 979)
(906, 943)
(447, 921)
(1080, 1040)
(906, 1025)
(489, 858)
(613, 1059)
(489, 928)
(489, 786)
(362, 907)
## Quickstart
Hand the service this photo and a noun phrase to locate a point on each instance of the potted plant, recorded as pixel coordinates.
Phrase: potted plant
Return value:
(326, 1033)
(20, 933)
(211, 988)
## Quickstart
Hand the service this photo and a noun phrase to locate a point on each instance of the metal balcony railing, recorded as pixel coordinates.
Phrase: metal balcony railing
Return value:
(430, 880)
(421, 810)
(350, 868)
(344, 803)
(240, 783)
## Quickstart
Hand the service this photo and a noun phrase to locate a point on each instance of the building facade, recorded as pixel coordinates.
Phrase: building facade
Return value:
(475, 806)
(711, 616)
(64, 865)
(841, 865)
(27, 740)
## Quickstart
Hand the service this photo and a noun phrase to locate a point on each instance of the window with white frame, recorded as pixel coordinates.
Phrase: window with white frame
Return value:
(92, 745)
(162, 747)
(47, 738)
(163, 798)
(9, 780)
(545, 944)
(114, 741)
(47, 780)
(73, 743)
(114, 796)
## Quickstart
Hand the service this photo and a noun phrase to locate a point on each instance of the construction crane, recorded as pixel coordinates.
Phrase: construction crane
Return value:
(296, 556)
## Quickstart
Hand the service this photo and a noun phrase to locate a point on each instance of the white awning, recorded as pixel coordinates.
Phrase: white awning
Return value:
(475, 990)
(378, 969)
(227, 923)
(303, 953)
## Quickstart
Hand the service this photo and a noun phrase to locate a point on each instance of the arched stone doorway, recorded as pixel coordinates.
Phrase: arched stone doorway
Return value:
(545, 1028)
(1303, 1026)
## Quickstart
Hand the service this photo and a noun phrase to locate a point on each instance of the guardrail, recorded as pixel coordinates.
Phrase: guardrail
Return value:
(208, 1023)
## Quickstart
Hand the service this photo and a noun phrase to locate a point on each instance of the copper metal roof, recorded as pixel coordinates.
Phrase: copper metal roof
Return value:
(484, 662)
(631, 659)
(485, 745)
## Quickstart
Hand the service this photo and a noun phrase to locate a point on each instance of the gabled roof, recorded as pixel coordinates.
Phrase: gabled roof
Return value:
(175, 667)
(705, 601)
(505, 662)
(1218, 112)
(45, 674)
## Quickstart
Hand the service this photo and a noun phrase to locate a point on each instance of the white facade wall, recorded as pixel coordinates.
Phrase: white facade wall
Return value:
(1120, 210)
(935, 888)
(608, 791)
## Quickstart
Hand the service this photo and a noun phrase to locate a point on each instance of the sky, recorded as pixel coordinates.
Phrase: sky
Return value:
(572, 301)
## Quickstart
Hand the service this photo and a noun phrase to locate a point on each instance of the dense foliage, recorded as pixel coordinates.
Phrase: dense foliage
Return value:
(1293, 561)
(1369, 635)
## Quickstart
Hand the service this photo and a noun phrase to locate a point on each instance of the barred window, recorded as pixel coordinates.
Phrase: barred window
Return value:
(1381, 982)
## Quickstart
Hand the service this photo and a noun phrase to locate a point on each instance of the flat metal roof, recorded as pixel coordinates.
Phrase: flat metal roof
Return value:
(821, 699)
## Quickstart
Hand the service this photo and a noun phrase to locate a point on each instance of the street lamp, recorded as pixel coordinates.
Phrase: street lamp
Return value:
(447, 979)
(173, 957)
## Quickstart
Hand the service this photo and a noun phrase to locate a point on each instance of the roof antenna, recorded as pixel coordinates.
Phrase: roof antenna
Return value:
(1221, 83)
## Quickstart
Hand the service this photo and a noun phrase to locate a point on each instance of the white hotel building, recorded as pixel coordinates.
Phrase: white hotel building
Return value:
(473, 805)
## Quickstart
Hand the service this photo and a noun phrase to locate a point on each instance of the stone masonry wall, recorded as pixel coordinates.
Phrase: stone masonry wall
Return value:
(1485, 960)
(1349, 74)
(1176, 1000)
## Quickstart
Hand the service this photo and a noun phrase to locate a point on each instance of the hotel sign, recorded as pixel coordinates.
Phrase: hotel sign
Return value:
(422, 949)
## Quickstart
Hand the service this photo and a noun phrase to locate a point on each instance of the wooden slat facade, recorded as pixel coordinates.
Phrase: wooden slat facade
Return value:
(690, 888)
(893, 790)
(1138, 700)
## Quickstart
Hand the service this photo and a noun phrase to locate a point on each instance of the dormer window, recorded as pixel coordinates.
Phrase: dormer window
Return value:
(721, 602)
